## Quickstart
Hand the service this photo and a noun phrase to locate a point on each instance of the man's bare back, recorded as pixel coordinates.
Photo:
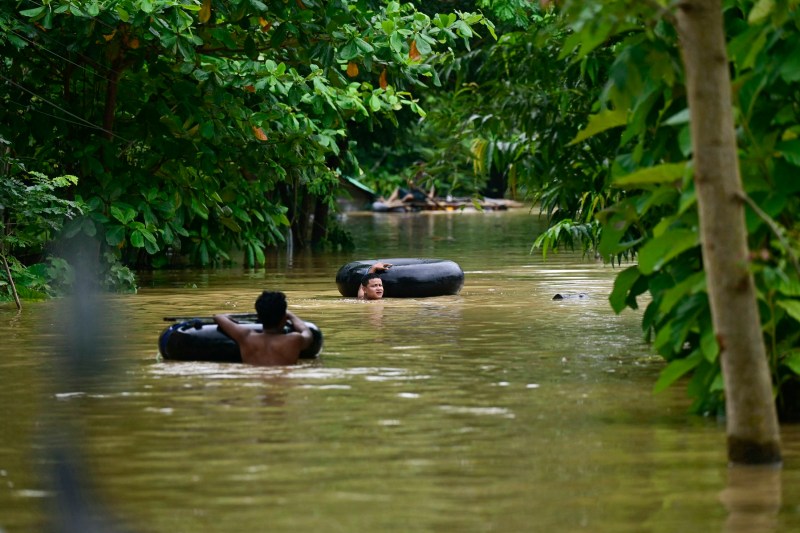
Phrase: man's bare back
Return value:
(271, 347)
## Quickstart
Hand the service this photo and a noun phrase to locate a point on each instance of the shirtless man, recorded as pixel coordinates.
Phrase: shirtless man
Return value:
(371, 287)
(272, 346)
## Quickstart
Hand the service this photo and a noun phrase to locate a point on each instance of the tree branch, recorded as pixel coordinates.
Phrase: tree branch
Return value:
(774, 227)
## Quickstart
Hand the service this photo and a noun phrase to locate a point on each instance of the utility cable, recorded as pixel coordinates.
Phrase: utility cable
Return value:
(80, 120)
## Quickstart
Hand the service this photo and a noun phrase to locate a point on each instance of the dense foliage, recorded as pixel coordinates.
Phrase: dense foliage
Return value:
(200, 129)
(32, 213)
(654, 214)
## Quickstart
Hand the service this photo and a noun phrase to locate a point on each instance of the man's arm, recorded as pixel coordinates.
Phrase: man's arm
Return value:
(380, 266)
(299, 326)
(231, 328)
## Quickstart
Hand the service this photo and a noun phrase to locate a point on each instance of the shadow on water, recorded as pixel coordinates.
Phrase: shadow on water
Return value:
(496, 409)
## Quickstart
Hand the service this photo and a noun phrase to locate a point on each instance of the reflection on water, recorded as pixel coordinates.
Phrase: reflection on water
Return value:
(497, 409)
(752, 499)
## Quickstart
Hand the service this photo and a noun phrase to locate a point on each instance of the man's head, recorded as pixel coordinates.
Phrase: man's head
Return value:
(373, 287)
(271, 308)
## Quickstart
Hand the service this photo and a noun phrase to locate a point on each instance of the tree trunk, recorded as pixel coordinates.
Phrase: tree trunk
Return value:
(301, 222)
(752, 423)
(319, 229)
(11, 282)
(112, 91)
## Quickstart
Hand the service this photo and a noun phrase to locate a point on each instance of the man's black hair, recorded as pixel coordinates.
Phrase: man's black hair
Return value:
(271, 308)
(367, 277)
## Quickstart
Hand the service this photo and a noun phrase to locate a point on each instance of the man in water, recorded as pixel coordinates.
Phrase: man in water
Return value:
(270, 347)
(371, 287)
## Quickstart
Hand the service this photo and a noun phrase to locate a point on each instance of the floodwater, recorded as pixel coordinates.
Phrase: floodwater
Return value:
(495, 410)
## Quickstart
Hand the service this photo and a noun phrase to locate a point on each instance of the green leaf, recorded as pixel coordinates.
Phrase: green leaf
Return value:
(789, 288)
(231, 224)
(761, 11)
(792, 307)
(123, 212)
(280, 219)
(137, 239)
(199, 208)
(622, 286)
(151, 247)
(35, 12)
(115, 235)
(709, 346)
(660, 250)
(744, 49)
(677, 369)
(204, 256)
(659, 174)
(463, 29)
(375, 103)
(719, 381)
(602, 121)
(148, 235)
(790, 64)
(679, 118)
(364, 46)
(685, 141)
(167, 235)
(349, 51)
(260, 257)
(65, 181)
(674, 295)
(207, 130)
(792, 361)
(790, 150)
(180, 230)
(396, 42)
(572, 42)
(423, 47)
(249, 259)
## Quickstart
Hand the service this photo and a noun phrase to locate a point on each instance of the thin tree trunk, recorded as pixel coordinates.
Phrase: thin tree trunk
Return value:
(752, 423)
(320, 227)
(11, 282)
(302, 219)
(112, 91)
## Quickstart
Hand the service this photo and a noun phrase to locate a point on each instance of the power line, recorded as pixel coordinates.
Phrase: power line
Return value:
(95, 64)
(39, 111)
(81, 120)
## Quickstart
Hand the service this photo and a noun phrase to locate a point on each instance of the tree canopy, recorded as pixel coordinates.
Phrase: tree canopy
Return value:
(200, 128)
(651, 199)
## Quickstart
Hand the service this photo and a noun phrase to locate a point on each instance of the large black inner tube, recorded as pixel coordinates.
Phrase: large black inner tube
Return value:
(193, 340)
(408, 278)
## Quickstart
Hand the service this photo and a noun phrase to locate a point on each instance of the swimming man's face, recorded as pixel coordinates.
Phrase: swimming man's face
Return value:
(374, 289)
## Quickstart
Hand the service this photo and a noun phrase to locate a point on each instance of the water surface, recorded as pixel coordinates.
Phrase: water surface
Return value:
(495, 410)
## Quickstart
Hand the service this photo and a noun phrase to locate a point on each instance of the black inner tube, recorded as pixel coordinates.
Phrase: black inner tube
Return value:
(196, 341)
(407, 278)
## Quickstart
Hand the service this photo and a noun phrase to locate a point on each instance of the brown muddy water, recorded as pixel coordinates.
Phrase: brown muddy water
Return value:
(495, 410)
